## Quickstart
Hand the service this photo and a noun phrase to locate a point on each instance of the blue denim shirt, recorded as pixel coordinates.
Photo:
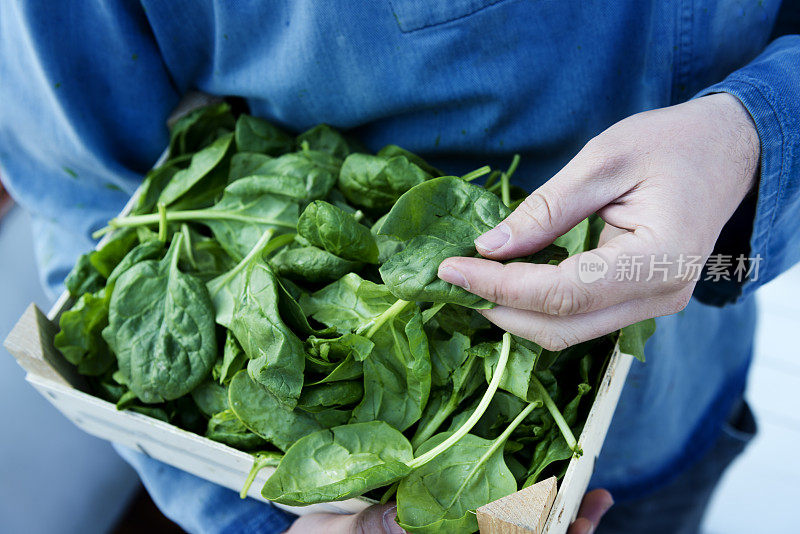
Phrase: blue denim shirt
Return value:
(86, 89)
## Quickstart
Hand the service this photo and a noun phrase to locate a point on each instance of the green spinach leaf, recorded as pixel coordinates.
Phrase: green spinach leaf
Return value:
(438, 219)
(161, 327)
(338, 464)
(333, 229)
(265, 415)
(375, 183)
(80, 339)
(257, 135)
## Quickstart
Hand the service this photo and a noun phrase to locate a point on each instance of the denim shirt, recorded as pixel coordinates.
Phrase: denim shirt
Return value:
(86, 89)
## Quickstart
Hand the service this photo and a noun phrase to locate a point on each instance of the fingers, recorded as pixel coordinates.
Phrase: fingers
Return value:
(377, 518)
(575, 192)
(609, 232)
(583, 283)
(594, 506)
(557, 333)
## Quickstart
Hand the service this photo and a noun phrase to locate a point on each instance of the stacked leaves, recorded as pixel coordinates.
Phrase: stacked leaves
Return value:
(279, 294)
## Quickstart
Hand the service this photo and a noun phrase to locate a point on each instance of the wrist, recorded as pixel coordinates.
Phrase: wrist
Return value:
(742, 141)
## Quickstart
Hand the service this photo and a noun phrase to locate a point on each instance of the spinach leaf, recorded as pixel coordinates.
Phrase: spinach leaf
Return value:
(154, 183)
(148, 250)
(553, 447)
(633, 338)
(206, 173)
(347, 369)
(375, 183)
(226, 288)
(340, 463)
(80, 339)
(233, 360)
(276, 354)
(331, 228)
(226, 428)
(452, 319)
(83, 278)
(210, 398)
(576, 239)
(110, 254)
(438, 219)
(257, 135)
(295, 317)
(323, 138)
(442, 495)
(312, 264)
(161, 327)
(199, 128)
(390, 151)
(341, 347)
(443, 402)
(387, 245)
(347, 303)
(397, 374)
(245, 211)
(521, 363)
(447, 357)
(304, 176)
(317, 398)
(245, 164)
(265, 415)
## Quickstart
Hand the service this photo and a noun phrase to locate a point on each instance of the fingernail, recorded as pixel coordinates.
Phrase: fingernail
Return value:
(449, 274)
(494, 238)
(390, 526)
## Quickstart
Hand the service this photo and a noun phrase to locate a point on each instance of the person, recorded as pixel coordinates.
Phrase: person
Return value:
(676, 122)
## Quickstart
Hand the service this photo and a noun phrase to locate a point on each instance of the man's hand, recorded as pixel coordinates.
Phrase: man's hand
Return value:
(664, 181)
(593, 507)
(376, 519)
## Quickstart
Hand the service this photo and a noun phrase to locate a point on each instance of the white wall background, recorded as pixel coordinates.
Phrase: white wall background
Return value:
(761, 490)
(54, 478)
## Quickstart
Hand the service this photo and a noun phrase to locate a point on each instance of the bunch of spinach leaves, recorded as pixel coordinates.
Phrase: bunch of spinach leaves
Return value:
(279, 294)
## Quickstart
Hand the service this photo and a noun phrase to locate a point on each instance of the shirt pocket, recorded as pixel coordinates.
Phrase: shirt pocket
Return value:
(415, 15)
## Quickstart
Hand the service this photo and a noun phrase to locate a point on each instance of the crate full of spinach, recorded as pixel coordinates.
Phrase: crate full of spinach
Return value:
(278, 294)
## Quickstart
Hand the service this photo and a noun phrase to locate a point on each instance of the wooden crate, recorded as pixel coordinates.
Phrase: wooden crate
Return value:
(541, 508)
(538, 509)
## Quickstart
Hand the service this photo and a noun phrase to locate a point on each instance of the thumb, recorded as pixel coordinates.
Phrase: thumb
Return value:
(377, 518)
(549, 212)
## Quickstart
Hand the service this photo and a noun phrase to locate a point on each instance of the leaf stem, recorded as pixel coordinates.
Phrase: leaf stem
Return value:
(477, 173)
(175, 251)
(515, 423)
(188, 245)
(505, 180)
(389, 492)
(431, 312)
(491, 179)
(505, 189)
(162, 222)
(185, 215)
(216, 284)
(374, 325)
(423, 433)
(569, 437)
(260, 461)
(513, 167)
(476, 415)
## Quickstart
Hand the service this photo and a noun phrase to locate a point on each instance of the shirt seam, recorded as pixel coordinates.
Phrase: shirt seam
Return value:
(767, 97)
